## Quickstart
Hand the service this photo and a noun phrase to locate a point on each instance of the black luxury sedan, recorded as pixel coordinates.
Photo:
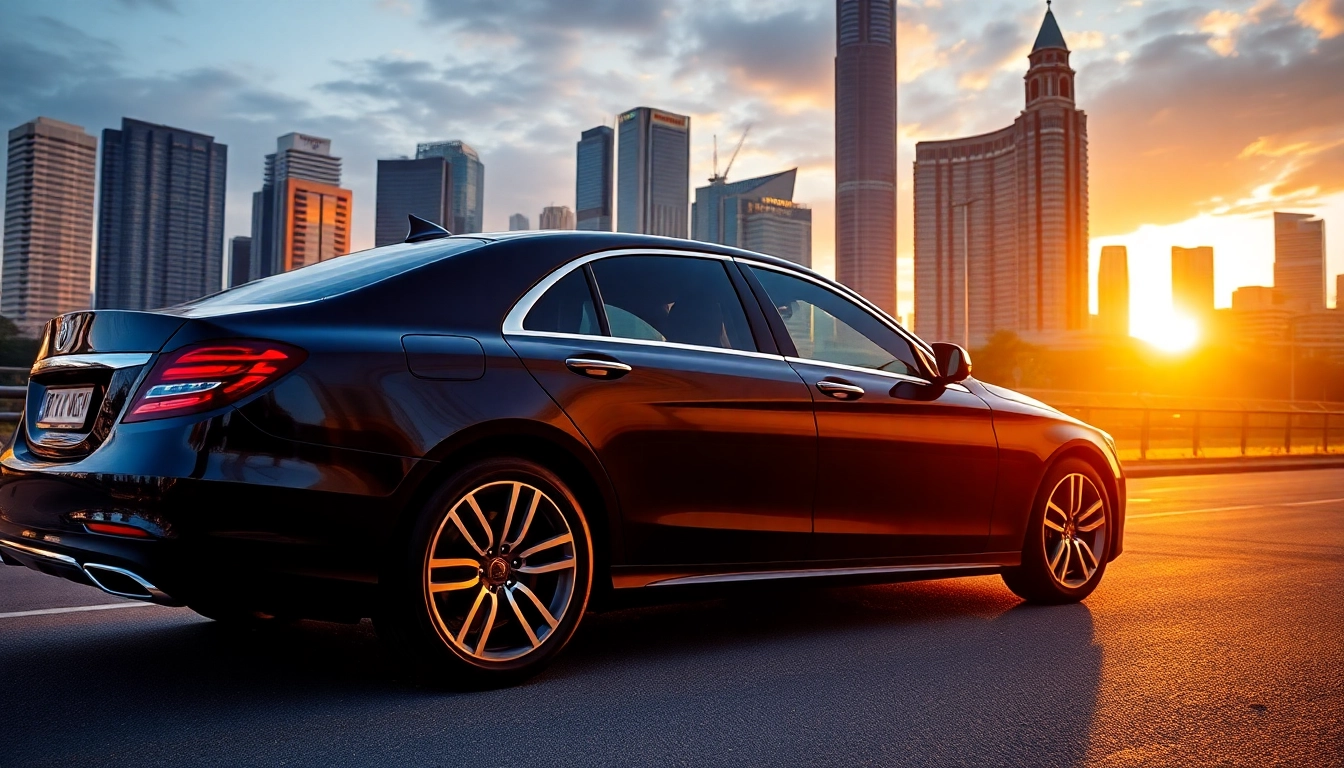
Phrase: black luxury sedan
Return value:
(474, 439)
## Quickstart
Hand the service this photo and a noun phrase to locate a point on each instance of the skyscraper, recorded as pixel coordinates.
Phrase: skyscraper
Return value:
(301, 180)
(556, 217)
(1021, 194)
(1113, 291)
(592, 186)
(776, 227)
(48, 222)
(757, 214)
(240, 260)
(160, 216)
(1299, 260)
(653, 172)
(865, 149)
(518, 222)
(1192, 280)
(421, 187)
(468, 183)
(316, 220)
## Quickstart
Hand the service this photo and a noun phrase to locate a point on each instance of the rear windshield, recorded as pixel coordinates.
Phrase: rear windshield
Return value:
(336, 276)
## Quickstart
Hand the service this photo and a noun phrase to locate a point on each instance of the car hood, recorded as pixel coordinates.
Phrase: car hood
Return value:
(1018, 397)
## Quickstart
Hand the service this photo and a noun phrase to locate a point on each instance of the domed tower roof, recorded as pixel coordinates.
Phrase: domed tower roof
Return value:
(1049, 36)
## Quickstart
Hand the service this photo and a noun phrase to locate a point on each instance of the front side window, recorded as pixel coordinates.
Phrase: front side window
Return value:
(828, 328)
(566, 308)
(677, 299)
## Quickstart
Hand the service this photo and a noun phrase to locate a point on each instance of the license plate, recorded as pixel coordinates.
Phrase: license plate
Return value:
(65, 408)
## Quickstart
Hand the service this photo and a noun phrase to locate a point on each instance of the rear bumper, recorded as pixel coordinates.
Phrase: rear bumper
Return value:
(114, 580)
(225, 510)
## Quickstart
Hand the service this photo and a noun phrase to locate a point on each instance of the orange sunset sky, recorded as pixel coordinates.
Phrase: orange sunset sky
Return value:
(1204, 117)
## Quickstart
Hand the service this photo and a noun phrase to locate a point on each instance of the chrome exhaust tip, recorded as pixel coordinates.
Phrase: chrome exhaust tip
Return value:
(124, 583)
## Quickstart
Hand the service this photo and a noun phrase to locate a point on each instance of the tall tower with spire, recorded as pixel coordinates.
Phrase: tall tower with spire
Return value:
(1003, 215)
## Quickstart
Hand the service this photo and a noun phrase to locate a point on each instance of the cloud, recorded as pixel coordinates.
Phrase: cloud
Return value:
(1325, 16)
(1189, 127)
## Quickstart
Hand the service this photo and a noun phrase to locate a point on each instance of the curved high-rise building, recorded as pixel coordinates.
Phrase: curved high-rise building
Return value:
(865, 149)
(1001, 218)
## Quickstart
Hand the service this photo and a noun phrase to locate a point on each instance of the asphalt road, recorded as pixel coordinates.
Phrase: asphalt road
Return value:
(1215, 640)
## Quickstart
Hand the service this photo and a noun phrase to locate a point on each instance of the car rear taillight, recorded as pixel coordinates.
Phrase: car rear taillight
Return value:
(203, 377)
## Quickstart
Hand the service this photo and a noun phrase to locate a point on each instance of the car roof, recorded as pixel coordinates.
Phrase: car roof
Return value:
(629, 240)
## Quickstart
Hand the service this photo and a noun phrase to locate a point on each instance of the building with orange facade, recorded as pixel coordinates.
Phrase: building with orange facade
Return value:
(317, 223)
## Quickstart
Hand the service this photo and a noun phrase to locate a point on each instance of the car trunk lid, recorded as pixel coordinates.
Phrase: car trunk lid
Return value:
(86, 369)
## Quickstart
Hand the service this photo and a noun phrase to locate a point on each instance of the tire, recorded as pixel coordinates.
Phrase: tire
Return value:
(493, 580)
(1068, 535)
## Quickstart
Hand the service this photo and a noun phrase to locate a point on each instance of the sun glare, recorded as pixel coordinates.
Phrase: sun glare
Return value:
(1175, 333)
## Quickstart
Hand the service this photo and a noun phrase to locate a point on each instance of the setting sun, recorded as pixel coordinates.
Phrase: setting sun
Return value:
(1169, 332)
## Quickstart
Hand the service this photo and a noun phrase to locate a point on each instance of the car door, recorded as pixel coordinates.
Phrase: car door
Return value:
(709, 441)
(905, 467)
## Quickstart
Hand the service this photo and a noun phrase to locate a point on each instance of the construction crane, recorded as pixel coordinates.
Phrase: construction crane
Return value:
(722, 178)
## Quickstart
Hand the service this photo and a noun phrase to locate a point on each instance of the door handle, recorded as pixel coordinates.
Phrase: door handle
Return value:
(597, 369)
(840, 390)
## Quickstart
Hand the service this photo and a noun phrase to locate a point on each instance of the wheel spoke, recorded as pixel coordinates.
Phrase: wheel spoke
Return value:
(489, 534)
(564, 538)
(1059, 553)
(455, 562)
(1092, 510)
(558, 565)
(1086, 551)
(518, 611)
(454, 586)
(1050, 506)
(457, 520)
(488, 625)
(1075, 495)
(508, 517)
(527, 521)
(1082, 561)
(471, 616)
(1064, 565)
(545, 614)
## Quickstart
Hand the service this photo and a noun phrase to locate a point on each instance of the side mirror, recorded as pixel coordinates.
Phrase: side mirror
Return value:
(954, 363)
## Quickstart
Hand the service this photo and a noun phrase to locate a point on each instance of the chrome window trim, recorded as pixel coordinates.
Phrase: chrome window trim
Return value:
(847, 293)
(860, 369)
(642, 342)
(94, 360)
(513, 322)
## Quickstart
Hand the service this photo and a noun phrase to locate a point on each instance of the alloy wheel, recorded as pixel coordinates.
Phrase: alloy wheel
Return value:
(500, 571)
(1074, 530)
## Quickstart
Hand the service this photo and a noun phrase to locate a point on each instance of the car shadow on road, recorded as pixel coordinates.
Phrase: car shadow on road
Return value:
(937, 673)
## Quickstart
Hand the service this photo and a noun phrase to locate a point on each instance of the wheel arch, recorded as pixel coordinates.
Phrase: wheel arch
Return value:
(1093, 456)
(567, 456)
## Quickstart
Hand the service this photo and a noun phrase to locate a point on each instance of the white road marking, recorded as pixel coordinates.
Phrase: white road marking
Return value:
(1233, 509)
(76, 609)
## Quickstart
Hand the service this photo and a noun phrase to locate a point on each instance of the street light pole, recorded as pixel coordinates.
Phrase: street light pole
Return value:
(966, 271)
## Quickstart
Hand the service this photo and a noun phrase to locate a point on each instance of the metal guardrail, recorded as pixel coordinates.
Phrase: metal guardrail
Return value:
(13, 392)
(1155, 432)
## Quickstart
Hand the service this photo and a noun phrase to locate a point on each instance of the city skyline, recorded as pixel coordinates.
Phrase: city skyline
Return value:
(957, 72)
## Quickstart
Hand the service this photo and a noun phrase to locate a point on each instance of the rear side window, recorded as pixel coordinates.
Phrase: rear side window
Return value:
(566, 308)
(678, 299)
